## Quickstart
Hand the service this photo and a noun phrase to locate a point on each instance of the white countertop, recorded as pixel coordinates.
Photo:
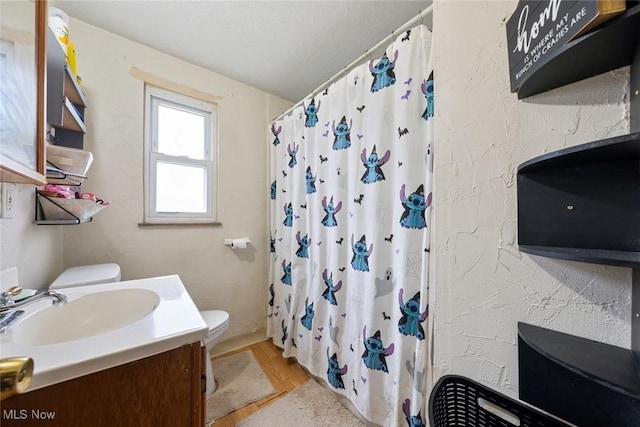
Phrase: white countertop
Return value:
(175, 322)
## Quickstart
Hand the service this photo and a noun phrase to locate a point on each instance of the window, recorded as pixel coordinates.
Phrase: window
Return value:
(180, 156)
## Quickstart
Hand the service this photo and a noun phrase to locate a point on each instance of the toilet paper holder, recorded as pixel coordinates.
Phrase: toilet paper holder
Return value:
(237, 243)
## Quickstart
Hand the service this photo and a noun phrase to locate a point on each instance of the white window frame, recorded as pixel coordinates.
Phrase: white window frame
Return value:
(155, 96)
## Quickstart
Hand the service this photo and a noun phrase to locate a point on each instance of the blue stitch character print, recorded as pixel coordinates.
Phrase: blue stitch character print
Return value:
(288, 215)
(329, 219)
(382, 72)
(412, 420)
(311, 113)
(272, 244)
(304, 242)
(273, 295)
(307, 319)
(310, 181)
(409, 323)
(373, 165)
(427, 90)
(374, 356)
(273, 190)
(330, 293)
(342, 134)
(286, 278)
(292, 153)
(334, 371)
(360, 260)
(285, 334)
(275, 133)
(414, 207)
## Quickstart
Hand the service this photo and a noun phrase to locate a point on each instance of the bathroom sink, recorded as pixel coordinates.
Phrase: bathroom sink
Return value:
(89, 315)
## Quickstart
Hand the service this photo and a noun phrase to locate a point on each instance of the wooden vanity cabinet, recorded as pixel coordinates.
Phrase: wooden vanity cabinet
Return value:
(161, 390)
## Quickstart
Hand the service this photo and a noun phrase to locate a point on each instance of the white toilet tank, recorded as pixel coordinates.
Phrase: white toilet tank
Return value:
(87, 275)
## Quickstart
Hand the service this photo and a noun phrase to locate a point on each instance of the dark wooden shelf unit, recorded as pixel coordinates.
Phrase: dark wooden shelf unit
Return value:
(583, 204)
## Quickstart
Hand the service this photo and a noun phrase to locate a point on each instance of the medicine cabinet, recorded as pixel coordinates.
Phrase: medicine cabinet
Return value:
(22, 84)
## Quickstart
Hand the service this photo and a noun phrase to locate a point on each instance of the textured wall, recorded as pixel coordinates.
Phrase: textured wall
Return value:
(36, 250)
(483, 284)
(215, 276)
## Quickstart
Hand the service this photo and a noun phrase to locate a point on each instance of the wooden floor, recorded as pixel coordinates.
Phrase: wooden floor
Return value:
(285, 375)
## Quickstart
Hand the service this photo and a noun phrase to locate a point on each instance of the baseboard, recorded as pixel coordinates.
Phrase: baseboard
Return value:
(238, 342)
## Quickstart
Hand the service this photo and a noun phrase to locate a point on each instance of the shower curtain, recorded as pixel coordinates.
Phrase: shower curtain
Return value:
(349, 221)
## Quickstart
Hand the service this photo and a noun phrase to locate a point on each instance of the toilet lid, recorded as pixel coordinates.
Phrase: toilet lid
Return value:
(87, 275)
(215, 319)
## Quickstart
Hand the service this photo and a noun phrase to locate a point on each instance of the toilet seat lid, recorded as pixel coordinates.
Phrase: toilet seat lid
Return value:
(215, 319)
(87, 275)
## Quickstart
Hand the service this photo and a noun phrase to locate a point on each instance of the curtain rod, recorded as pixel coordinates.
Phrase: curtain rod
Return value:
(359, 60)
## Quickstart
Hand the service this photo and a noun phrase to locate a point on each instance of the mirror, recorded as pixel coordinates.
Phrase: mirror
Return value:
(22, 73)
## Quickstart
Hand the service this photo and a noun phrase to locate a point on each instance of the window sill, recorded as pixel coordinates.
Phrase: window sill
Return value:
(179, 224)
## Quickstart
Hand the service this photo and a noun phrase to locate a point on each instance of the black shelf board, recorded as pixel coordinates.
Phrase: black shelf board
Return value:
(607, 364)
(622, 147)
(609, 47)
(583, 381)
(583, 203)
(595, 256)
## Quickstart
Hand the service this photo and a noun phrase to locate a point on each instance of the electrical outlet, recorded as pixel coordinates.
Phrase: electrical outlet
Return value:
(8, 200)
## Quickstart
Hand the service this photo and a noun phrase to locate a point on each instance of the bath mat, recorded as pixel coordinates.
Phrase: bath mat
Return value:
(241, 381)
(310, 405)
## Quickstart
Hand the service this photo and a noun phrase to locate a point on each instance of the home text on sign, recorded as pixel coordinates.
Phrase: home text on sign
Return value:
(538, 28)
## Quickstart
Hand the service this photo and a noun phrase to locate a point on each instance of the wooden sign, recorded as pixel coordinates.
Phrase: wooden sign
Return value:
(538, 28)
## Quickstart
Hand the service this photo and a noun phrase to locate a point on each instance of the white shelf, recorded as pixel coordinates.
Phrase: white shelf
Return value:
(72, 89)
(71, 119)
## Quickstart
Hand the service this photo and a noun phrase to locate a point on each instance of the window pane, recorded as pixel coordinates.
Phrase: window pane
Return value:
(181, 188)
(180, 133)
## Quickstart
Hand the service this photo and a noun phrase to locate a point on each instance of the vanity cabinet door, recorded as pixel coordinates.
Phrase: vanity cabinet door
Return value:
(160, 390)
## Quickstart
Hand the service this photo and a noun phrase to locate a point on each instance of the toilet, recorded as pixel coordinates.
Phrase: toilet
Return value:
(217, 320)
(87, 275)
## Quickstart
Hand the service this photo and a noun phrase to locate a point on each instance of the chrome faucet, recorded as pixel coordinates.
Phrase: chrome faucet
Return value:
(8, 304)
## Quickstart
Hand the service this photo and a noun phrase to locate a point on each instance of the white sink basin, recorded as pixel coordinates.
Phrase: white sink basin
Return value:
(86, 316)
(103, 326)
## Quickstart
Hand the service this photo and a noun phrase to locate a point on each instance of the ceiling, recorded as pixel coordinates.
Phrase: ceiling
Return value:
(287, 48)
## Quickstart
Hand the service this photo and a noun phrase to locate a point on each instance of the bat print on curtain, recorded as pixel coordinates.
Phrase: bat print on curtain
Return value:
(350, 199)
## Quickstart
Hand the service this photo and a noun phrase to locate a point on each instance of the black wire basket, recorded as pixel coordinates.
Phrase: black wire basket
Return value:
(460, 402)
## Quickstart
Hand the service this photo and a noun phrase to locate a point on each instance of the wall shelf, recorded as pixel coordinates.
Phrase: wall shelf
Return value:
(618, 258)
(62, 221)
(71, 118)
(67, 166)
(60, 215)
(583, 203)
(66, 101)
(72, 89)
(62, 177)
(609, 47)
(585, 382)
